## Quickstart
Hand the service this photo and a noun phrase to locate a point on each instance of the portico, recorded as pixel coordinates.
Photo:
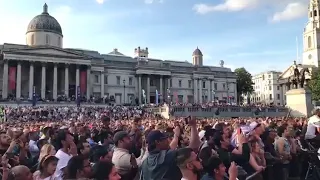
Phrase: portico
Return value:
(49, 76)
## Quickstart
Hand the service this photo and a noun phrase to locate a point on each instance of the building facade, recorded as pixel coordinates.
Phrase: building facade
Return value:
(45, 68)
(267, 89)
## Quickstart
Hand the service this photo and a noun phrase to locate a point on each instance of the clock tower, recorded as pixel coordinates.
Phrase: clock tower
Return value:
(311, 36)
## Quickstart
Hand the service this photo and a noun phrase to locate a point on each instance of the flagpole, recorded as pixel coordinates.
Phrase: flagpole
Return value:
(297, 46)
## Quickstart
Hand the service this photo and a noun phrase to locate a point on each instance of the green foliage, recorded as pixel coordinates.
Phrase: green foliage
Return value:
(314, 85)
(244, 81)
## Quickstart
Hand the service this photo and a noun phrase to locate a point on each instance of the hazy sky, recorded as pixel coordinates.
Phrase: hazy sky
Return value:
(259, 35)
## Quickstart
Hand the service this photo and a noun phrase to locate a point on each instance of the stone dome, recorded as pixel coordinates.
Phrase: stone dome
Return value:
(197, 52)
(44, 22)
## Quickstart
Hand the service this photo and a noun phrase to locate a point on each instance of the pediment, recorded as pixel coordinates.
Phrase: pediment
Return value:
(49, 51)
(287, 73)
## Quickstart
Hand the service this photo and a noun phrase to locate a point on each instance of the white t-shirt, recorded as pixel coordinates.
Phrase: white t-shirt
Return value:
(313, 124)
(62, 163)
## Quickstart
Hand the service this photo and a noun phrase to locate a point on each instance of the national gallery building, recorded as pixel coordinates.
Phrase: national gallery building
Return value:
(45, 68)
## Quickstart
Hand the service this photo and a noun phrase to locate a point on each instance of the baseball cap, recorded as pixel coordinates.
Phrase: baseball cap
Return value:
(119, 136)
(155, 135)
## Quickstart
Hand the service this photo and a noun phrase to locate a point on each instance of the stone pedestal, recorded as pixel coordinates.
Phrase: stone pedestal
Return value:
(299, 101)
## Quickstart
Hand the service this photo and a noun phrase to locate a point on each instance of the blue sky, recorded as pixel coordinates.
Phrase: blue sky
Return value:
(259, 35)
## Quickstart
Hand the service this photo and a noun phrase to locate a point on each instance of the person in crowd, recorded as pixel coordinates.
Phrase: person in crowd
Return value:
(33, 147)
(189, 164)
(47, 167)
(20, 172)
(105, 170)
(313, 128)
(101, 153)
(67, 148)
(83, 148)
(283, 148)
(124, 162)
(216, 170)
(161, 162)
(79, 168)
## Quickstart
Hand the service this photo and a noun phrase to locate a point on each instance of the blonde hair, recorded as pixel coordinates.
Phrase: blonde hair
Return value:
(46, 150)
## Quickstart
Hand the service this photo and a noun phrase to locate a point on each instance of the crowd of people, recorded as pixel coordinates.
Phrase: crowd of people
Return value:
(130, 143)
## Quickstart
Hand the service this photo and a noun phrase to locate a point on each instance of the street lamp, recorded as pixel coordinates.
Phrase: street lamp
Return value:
(124, 91)
(168, 95)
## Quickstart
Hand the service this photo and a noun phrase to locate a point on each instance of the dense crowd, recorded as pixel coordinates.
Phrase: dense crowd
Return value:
(130, 143)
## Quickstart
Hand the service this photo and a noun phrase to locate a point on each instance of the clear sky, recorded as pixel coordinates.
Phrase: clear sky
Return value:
(259, 35)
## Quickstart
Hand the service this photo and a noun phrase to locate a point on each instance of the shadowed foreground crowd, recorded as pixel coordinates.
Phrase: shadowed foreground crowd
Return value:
(127, 143)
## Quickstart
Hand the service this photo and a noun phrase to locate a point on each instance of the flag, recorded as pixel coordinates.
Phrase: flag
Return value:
(157, 97)
(34, 98)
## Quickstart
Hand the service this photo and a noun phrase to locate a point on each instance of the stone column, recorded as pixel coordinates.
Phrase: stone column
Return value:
(18, 88)
(148, 89)
(88, 82)
(43, 81)
(200, 90)
(66, 80)
(136, 87)
(31, 79)
(139, 89)
(209, 90)
(195, 90)
(161, 90)
(5, 79)
(102, 84)
(55, 81)
(77, 79)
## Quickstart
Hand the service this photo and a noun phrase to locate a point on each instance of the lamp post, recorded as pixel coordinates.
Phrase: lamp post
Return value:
(124, 91)
(168, 95)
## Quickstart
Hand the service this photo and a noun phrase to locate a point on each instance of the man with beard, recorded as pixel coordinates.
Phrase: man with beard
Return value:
(189, 164)
(124, 162)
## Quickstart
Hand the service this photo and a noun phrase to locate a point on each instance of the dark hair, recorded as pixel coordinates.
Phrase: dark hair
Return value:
(281, 129)
(183, 154)
(74, 165)
(212, 164)
(217, 138)
(102, 169)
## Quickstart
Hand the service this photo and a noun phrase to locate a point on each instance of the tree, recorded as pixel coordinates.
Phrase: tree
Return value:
(314, 85)
(244, 82)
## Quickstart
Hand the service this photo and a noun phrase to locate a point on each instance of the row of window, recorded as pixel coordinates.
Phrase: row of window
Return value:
(203, 84)
(263, 97)
(130, 83)
(270, 87)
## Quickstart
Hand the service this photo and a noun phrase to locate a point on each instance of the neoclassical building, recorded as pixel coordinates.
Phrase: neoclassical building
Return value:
(43, 66)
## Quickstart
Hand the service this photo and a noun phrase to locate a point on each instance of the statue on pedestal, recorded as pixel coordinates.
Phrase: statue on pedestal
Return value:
(299, 77)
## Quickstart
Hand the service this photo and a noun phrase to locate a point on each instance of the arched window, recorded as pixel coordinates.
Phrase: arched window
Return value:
(32, 39)
(47, 39)
(309, 42)
(315, 13)
(311, 14)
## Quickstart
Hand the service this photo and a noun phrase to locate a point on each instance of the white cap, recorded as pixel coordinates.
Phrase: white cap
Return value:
(201, 134)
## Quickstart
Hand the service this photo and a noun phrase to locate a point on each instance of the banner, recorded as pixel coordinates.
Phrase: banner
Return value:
(12, 78)
(83, 81)
(157, 97)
